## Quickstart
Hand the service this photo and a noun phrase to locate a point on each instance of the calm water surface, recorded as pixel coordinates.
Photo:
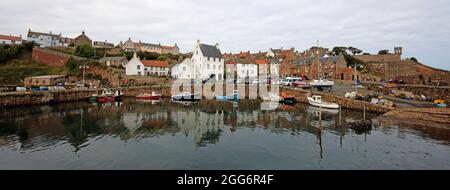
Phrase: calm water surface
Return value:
(209, 135)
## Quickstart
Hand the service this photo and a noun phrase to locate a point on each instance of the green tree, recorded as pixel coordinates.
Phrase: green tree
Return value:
(72, 66)
(339, 50)
(85, 51)
(383, 52)
(354, 50)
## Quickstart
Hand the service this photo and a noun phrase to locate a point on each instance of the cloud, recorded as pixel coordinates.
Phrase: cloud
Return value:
(420, 26)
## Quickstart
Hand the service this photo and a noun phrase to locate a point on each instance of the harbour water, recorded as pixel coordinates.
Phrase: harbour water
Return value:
(209, 135)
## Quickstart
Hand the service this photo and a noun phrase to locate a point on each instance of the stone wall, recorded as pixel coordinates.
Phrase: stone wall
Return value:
(51, 59)
(378, 58)
(36, 98)
(300, 96)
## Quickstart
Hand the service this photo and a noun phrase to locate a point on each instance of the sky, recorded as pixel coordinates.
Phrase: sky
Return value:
(421, 27)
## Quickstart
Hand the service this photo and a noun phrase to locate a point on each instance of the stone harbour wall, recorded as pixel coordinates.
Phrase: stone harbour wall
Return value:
(300, 96)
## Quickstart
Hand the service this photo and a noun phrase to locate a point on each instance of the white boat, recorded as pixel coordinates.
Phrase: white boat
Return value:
(317, 101)
(273, 97)
(321, 83)
(186, 96)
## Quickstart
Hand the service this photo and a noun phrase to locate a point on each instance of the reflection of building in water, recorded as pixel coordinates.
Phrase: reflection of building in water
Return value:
(204, 127)
(134, 120)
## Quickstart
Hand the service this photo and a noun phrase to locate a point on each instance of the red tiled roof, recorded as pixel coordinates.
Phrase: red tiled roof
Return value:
(155, 63)
(243, 54)
(12, 38)
(231, 62)
(260, 61)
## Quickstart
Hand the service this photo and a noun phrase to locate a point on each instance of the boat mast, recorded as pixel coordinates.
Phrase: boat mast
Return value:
(318, 61)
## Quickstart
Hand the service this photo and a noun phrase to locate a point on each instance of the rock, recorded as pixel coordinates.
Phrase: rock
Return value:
(362, 125)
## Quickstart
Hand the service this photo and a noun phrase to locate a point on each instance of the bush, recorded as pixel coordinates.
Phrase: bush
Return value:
(8, 52)
(85, 51)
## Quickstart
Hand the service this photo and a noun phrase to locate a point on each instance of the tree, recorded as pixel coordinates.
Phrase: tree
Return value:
(383, 52)
(72, 66)
(414, 59)
(354, 50)
(339, 50)
(85, 51)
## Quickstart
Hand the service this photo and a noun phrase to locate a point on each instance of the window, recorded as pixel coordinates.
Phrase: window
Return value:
(207, 66)
(208, 58)
(214, 59)
(214, 67)
(138, 67)
(184, 68)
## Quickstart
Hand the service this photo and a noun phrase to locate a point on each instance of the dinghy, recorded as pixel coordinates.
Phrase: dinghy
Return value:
(317, 101)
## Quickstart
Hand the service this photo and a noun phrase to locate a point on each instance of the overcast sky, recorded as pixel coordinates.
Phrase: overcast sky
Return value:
(421, 27)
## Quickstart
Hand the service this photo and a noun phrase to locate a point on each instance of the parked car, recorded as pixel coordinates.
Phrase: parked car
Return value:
(299, 83)
(255, 81)
(21, 89)
(239, 81)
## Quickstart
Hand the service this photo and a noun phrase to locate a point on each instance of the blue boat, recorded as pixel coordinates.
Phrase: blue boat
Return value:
(225, 98)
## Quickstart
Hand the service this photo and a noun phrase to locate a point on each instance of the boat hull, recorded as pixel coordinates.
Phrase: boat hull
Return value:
(148, 97)
(190, 97)
(327, 105)
(103, 99)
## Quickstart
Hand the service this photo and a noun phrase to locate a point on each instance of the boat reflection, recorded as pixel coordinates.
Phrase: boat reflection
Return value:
(203, 123)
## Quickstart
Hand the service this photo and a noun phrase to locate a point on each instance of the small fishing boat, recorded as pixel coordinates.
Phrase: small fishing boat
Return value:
(186, 96)
(106, 96)
(145, 96)
(287, 99)
(317, 101)
(235, 96)
(273, 97)
(93, 98)
(118, 94)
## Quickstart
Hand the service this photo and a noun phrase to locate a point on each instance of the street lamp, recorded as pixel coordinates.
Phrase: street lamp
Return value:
(84, 70)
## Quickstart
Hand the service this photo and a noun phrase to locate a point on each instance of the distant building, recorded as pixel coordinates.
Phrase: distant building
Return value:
(45, 80)
(66, 41)
(8, 39)
(105, 44)
(113, 61)
(146, 67)
(44, 39)
(129, 45)
(331, 67)
(82, 39)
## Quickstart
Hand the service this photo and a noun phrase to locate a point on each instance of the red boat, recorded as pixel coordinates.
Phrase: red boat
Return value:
(104, 99)
(145, 96)
(107, 96)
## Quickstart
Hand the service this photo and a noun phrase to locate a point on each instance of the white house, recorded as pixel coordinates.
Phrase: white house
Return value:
(4, 39)
(206, 62)
(247, 70)
(44, 39)
(146, 67)
(252, 69)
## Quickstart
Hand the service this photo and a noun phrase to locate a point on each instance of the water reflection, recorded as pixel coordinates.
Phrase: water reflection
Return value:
(203, 122)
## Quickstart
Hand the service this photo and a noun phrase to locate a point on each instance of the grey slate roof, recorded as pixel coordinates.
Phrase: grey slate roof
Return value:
(210, 51)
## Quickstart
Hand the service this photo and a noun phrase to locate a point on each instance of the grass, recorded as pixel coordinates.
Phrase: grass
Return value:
(13, 71)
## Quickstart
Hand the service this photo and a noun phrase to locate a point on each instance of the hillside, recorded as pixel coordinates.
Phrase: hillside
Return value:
(13, 71)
